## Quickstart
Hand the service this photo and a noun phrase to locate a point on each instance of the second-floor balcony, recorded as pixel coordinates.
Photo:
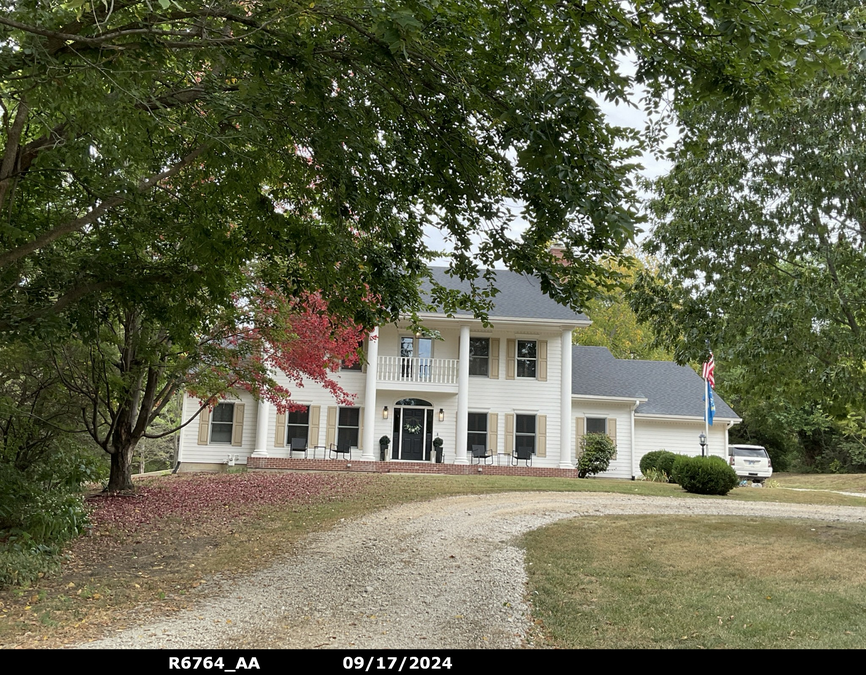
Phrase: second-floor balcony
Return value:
(428, 373)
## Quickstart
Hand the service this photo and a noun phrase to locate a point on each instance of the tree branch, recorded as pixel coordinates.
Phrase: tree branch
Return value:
(96, 212)
(11, 155)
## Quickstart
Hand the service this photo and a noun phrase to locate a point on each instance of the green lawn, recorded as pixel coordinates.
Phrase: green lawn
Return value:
(156, 564)
(844, 482)
(699, 582)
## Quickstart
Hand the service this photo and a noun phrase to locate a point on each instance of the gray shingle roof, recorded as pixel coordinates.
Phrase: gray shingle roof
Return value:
(519, 296)
(669, 389)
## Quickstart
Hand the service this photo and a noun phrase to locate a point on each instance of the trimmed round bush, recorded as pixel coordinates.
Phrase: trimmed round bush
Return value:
(598, 450)
(660, 460)
(704, 475)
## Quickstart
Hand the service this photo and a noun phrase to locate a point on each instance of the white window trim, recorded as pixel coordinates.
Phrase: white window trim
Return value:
(230, 424)
(486, 358)
(534, 434)
(518, 359)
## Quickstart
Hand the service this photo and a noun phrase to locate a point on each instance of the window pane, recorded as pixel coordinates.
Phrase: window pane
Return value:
(349, 417)
(525, 368)
(299, 417)
(221, 433)
(357, 364)
(526, 349)
(596, 425)
(425, 348)
(414, 403)
(479, 366)
(407, 346)
(478, 422)
(523, 441)
(224, 412)
(479, 346)
(526, 424)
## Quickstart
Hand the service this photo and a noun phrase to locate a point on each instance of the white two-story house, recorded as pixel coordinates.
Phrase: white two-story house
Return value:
(519, 383)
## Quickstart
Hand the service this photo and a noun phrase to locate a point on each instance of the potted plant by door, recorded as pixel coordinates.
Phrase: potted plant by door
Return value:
(437, 447)
(384, 442)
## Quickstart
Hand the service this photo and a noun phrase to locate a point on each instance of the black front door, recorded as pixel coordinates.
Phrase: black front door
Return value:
(412, 435)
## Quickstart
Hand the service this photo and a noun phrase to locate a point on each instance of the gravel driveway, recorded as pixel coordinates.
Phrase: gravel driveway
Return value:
(443, 574)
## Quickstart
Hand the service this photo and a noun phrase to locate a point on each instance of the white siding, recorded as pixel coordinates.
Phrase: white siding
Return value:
(621, 412)
(677, 436)
(217, 453)
(520, 396)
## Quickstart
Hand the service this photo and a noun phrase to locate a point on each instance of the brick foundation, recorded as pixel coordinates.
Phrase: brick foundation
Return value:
(358, 466)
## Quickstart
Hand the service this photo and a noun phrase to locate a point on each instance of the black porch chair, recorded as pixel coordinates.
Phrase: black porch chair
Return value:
(335, 450)
(522, 453)
(298, 445)
(480, 454)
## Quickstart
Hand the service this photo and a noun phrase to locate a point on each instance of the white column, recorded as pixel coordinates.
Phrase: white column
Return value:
(368, 444)
(631, 431)
(565, 410)
(462, 398)
(261, 449)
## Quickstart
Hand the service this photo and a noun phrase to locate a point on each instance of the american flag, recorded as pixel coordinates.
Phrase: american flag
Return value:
(709, 371)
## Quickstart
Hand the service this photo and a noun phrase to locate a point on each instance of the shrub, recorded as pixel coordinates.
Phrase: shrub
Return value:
(596, 452)
(41, 508)
(660, 460)
(704, 475)
(656, 476)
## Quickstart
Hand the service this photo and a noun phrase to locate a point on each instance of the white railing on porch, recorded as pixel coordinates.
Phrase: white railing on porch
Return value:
(417, 369)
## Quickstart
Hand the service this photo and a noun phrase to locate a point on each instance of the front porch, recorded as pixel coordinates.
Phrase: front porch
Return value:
(360, 466)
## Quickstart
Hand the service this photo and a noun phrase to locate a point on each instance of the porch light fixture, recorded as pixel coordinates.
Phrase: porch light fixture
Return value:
(385, 413)
(703, 439)
(441, 415)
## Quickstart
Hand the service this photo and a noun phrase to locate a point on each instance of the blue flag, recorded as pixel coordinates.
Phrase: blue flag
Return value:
(709, 410)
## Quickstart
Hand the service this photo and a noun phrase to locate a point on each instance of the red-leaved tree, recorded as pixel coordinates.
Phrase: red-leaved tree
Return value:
(266, 343)
(275, 338)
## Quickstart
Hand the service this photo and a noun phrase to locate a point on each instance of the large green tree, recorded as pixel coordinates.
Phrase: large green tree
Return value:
(761, 226)
(152, 151)
(327, 135)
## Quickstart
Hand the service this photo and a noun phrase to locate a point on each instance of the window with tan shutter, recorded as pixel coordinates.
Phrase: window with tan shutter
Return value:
(222, 422)
(527, 358)
(348, 428)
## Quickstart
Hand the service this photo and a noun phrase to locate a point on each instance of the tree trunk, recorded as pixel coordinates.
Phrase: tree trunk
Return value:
(120, 479)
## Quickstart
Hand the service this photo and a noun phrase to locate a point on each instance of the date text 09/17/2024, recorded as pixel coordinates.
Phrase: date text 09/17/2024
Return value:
(356, 663)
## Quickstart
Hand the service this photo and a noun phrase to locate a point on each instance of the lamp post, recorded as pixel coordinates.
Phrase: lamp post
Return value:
(703, 439)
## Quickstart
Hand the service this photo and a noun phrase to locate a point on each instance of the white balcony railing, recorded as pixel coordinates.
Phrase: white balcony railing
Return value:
(417, 370)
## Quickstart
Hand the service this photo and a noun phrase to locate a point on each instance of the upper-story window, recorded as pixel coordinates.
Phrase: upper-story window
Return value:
(479, 356)
(357, 364)
(417, 357)
(527, 358)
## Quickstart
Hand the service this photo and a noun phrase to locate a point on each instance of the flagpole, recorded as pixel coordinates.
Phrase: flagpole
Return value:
(707, 376)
